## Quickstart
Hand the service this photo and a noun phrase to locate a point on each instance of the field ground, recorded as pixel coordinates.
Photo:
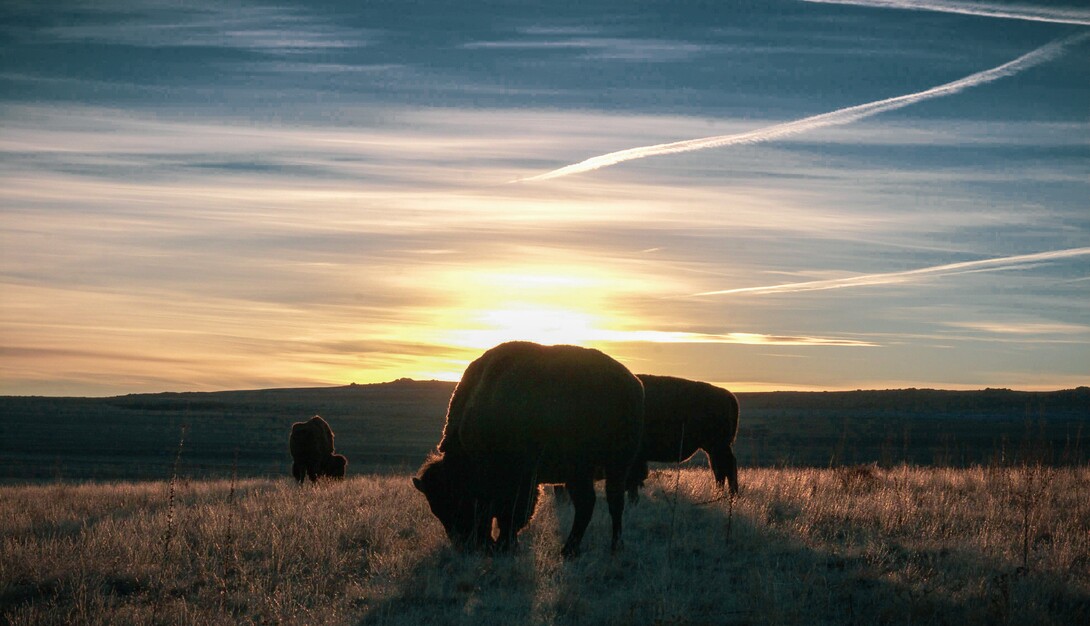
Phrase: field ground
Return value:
(863, 544)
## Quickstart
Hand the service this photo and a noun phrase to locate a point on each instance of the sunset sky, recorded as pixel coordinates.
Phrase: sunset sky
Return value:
(850, 194)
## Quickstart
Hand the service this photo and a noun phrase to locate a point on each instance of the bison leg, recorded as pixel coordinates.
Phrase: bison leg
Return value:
(725, 467)
(636, 477)
(582, 497)
(299, 471)
(514, 518)
(615, 488)
(482, 527)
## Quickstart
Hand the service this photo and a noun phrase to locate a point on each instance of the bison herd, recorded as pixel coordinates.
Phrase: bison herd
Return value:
(524, 415)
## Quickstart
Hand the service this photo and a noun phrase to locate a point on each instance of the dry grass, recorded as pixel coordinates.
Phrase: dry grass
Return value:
(805, 546)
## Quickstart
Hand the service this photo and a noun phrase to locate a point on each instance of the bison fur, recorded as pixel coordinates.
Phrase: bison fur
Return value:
(311, 446)
(682, 416)
(334, 466)
(525, 415)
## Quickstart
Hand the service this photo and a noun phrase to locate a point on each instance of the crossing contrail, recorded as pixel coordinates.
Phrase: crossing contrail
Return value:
(834, 118)
(1005, 11)
(890, 278)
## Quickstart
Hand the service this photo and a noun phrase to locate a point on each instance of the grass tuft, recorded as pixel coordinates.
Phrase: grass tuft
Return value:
(168, 534)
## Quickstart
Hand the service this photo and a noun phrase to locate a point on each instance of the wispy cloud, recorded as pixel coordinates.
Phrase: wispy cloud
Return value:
(890, 278)
(483, 339)
(605, 48)
(1023, 328)
(983, 9)
(833, 118)
(750, 339)
(155, 24)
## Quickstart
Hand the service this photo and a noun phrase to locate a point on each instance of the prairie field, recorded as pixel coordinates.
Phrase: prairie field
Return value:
(859, 544)
(391, 427)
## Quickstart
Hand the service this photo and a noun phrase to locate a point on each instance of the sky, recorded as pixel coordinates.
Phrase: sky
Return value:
(766, 195)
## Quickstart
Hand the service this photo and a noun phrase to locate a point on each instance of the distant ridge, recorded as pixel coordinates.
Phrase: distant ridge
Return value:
(937, 402)
(864, 395)
(393, 426)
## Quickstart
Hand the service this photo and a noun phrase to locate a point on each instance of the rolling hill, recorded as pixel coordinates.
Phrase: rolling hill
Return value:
(392, 426)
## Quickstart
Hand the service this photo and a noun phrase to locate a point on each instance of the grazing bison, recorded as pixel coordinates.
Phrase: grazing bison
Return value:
(682, 415)
(334, 466)
(526, 414)
(311, 446)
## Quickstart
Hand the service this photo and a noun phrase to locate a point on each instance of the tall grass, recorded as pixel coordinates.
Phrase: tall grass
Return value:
(805, 546)
(168, 534)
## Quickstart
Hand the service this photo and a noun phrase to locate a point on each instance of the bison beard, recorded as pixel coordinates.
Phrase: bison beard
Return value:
(523, 415)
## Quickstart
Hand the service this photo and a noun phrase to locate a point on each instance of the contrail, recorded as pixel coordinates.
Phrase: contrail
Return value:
(1002, 263)
(1005, 11)
(833, 118)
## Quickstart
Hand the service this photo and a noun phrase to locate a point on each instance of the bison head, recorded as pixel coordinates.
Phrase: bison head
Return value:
(335, 466)
(462, 515)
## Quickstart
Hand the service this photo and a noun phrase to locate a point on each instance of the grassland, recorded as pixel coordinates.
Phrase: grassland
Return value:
(838, 520)
(392, 426)
(867, 545)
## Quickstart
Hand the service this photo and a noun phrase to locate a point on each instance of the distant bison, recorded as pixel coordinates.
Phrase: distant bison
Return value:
(334, 466)
(526, 414)
(681, 416)
(311, 445)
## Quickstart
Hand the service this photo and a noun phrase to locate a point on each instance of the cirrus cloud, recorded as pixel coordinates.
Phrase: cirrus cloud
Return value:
(891, 278)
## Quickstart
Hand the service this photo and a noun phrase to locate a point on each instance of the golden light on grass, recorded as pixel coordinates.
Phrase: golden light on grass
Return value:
(895, 545)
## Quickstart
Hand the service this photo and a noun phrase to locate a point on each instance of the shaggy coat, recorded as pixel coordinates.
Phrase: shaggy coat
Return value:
(334, 466)
(681, 416)
(526, 414)
(311, 445)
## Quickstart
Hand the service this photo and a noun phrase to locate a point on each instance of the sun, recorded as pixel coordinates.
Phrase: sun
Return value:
(559, 304)
(540, 323)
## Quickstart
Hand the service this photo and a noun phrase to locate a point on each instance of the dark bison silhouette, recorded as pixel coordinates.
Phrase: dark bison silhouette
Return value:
(681, 416)
(334, 466)
(523, 415)
(311, 446)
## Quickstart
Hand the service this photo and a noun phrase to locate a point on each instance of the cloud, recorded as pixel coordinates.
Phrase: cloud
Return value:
(891, 278)
(833, 118)
(983, 9)
(483, 339)
(153, 24)
(605, 48)
(1022, 328)
(750, 339)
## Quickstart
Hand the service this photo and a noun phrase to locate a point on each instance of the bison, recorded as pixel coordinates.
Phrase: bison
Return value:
(311, 445)
(524, 415)
(681, 416)
(334, 466)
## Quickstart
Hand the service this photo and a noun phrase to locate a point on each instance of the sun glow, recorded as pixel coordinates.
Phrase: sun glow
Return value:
(479, 308)
(549, 305)
(527, 322)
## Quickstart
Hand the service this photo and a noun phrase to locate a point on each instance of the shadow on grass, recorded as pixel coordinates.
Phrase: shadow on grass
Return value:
(769, 571)
(446, 586)
(692, 563)
(685, 562)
